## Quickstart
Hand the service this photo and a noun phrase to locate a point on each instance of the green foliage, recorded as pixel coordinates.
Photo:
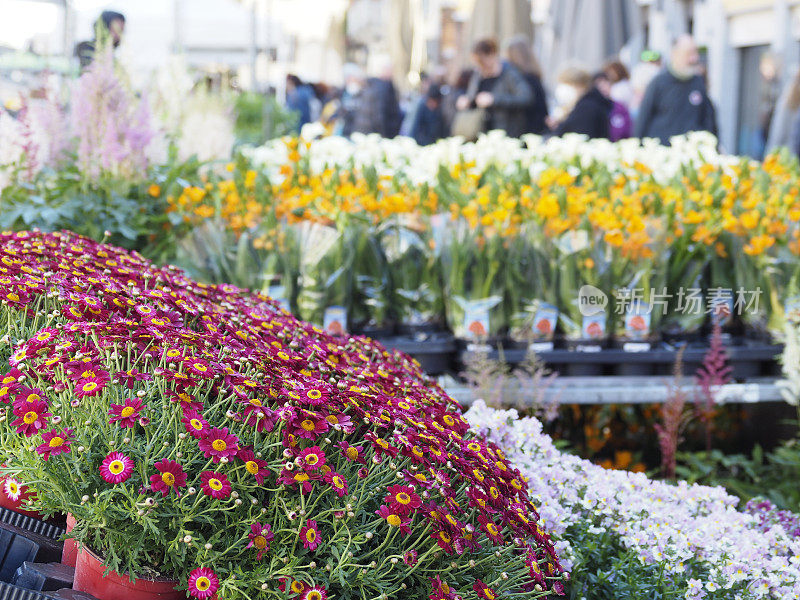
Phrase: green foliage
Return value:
(605, 570)
(773, 475)
(260, 118)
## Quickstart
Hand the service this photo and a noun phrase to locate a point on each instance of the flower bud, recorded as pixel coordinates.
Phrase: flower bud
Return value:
(207, 546)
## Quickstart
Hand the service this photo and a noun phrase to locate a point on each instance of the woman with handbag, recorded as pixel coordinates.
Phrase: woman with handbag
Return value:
(497, 97)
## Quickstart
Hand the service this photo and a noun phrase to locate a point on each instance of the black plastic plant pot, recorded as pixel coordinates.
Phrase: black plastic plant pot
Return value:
(633, 369)
(434, 353)
(375, 331)
(584, 369)
(46, 535)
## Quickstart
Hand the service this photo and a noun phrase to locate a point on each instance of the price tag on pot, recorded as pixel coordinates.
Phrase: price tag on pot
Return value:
(594, 326)
(544, 322)
(335, 320)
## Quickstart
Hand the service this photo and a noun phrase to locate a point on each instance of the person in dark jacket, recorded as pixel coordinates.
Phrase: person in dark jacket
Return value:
(591, 113)
(109, 26)
(298, 100)
(451, 94)
(676, 101)
(521, 55)
(428, 125)
(499, 88)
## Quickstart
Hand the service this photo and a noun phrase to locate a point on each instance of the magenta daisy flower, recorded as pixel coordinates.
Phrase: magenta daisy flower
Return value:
(402, 499)
(195, 425)
(312, 458)
(219, 443)
(395, 519)
(483, 590)
(89, 387)
(215, 485)
(337, 482)
(491, 529)
(315, 593)
(31, 417)
(116, 468)
(126, 414)
(255, 466)
(309, 535)
(203, 583)
(170, 476)
(260, 536)
(199, 367)
(55, 443)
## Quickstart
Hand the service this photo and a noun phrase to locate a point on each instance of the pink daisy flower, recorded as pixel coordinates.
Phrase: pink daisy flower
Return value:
(89, 387)
(31, 417)
(260, 536)
(55, 443)
(337, 482)
(170, 476)
(215, 485)
(402, 499)
(315, 593)
(255, 466)
(309, 535)
(395, 519)
(126, 414)
(219, 443)
(203, 583)
(116, 468)
(312, 458)
(195, 425)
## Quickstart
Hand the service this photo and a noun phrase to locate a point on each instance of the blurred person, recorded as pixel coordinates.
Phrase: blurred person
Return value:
(498, 88)
(521, 55)
(110, 26)
(428, 125)
(379, 107)
(620, 79)
(676, 101)
(642, 74)
(451, 94)
(298, 99)
(350, 99)
(588, 110)
(414, 103)
(782, 131)
(620, 124)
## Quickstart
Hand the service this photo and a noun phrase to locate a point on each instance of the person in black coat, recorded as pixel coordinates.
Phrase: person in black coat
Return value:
(676, 100)
(520, 55)
(428, 125)
(590, 113)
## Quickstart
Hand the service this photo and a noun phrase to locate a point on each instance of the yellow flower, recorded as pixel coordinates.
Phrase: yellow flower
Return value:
(154, 190)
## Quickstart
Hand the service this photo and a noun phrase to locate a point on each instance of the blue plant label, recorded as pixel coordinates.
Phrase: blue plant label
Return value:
(335, 320)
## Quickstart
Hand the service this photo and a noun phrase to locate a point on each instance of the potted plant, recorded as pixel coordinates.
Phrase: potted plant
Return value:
(208, 443)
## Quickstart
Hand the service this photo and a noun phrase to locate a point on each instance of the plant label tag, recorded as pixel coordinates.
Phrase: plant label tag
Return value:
(636, 346)
(476, 322)
(335, 320)
(588, 348)
(594, 326)
(544, 322)
(482, 348)
(536, 347)
(637, 322)
(278, 294)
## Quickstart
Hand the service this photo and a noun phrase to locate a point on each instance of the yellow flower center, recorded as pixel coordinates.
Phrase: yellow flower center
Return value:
(127, 411)
(311, 535)
(168, 478)
(337, 481)
(30, 417)
(394, 520)
(89, 387)
(219, 445)
(490, 527)
(116, 467)
(196, 424)
(308, 425)
(215, 484)
(252, 467)
(203, 583)
(351, 453)
(260, 542)
(173, 353)
(312, 459)
(314, 595)
(55, 442)
(314, 394)
(200, 367)
(13, 488)
(403, 498)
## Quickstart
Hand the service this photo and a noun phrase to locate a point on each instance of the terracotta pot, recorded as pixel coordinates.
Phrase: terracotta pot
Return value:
(70, 552)
(15, 505)
(89, 578)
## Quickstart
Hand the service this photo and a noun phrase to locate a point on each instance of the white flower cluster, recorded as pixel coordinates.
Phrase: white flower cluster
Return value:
(660, 521)
(402, 156)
